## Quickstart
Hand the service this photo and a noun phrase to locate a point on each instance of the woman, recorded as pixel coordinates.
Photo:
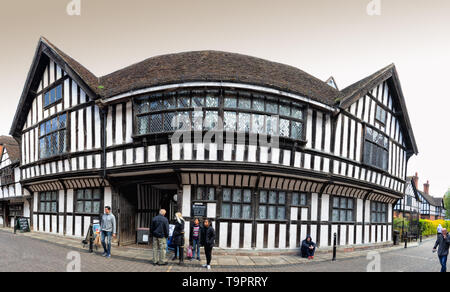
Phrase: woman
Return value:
(194, 239)
(308, 248)
(207, 239)
(178, 237)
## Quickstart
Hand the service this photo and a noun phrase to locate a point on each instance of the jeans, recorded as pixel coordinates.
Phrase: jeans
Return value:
(196, 248)
(443, 262)
(159, 246)
(106, 245)
(208, 253)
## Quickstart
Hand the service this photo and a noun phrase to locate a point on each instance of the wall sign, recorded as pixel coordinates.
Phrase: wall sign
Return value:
(199, 210)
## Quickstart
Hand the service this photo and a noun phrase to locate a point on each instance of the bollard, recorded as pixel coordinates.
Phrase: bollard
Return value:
(334, 247)
(406, 241)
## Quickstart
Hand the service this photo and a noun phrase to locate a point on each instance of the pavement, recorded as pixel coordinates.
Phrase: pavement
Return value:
(40, 248)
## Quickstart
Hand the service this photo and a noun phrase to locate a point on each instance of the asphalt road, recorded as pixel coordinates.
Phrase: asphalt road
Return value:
(22, 254)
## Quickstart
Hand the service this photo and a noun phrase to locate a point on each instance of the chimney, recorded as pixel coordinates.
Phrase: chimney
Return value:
(426, 188)
(416, 180)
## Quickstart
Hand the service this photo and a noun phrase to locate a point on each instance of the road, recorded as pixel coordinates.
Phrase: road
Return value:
(23, 254)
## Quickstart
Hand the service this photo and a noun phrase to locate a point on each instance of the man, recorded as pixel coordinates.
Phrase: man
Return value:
(160, 232)
(444, 243)
(308, 248)
(207, 240)
(108, 230)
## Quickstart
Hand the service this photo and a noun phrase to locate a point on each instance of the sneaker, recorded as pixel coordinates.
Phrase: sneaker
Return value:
(204, 266)
(312, 258)
(208, 267)
(104, 254)
(108, 256)
(198, 259)
(163, 264)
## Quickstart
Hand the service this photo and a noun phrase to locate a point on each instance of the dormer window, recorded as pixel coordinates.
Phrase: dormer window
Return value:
(53, 95)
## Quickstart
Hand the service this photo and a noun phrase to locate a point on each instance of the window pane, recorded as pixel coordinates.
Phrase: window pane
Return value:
(198, 101)
(272, 213)
(350, 204)
(59, 92)
(237, 195)
(169, 121)
(80, 195)
(262, 212)
(227, 194)
(230, 102)
(184, 102)
(335, 215)
(53, 196)
(272, 125)
(246, 211)
(272, 197)
(282, 198)
(143, 124)
(272, 107)
(258, 104)
(87, 206)
(349, 216)
(285, 110)
(297, 113)
(211, 120)
(236, 211)
(156, 125)
(211, 194)
(230, 121)
(281, 213)
(295, 200)
(383, 217)
(374, 217)
(226, 212)
(47, 207)
(212, 101)
(49, 196)
(197, 121)
(297, 130)
(80, 207)
(342, 215)
(303, 199)
(169, 103)
(42, 209)
(336, 202)
(88, 194)
(96, 207)
(247, 196)
(258, 124)
(200, 192)
(244, 122)
(263, 197)
(62, 121)
(284, 128)
(54, 207)
(244, 103)
(343, 203)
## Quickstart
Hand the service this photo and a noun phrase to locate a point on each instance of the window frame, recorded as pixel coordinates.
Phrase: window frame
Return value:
(366, 140)
(232, 203)
(300, 194)
(51, 201)
(377, 212)
(54, 86)
(277, 205)
(339, 209)
(379, 107)
(205, 198)
(51, 132)
(92, 200)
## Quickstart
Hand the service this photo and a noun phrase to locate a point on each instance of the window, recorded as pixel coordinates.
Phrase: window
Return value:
(381, 115)
(89, 201)
(48, 202)
(201, 110)
(7, 175)
(53, 95)
(236, 203)
(272, 205)
(204, 194)
(379, 211)
(376, 147)
(342, 210)
(299, 199)
(52, 136)
(409, 201)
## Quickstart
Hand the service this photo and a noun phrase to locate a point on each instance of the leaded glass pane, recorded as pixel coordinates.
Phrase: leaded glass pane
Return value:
(156, 125)
(282, 198)
(49, 196)
(230, 121)
(343, 203)
(336, 202)
(62, 121)
(383, 217)
(212, 101)
(87, 206)
(303, 199)
(272, 197)
(244, 122)
(226, 210)
(226, 194)
(272, 125)
(272, 107)
(53, 196)
(258, 104)
(169, 103)
(237, 195)
(88, 194)
(42, 207)
(350, 204)
(200, 192)
(169, 121)
(54, 207)
(42, 196)
(378, 217)
(47, 207)
(285, 110)
(96, 207)
(284, 128)
(42, 131)
(244, 103)
(211, 120)
(211, 194)
(184, 121)
(197, 122)
(263, 197)
(335, 215)
(272, 213)
(143, 124)
(383, 207)
(297, 113)
(156, 105)
(247, 196)
(198, 101)
(281, 213)
(342, 215)
(230, 102)
(262, 212)
(258, 124)
(59, 92)
(184, 102)
(80, 195)
(142, 106)
(374, 217)
(246, 211)
(97, 194)
(297, 130)
(374, 207)
(236, 211)
(349, 216)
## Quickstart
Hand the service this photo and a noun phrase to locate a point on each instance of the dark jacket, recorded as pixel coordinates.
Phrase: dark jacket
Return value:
(444, 245)
(160, 227)
(207, 236)
(306, 244)
(191, 234)
(178, 233)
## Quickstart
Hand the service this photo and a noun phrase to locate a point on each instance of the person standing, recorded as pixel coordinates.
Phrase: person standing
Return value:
(308, 248)
(160, 233)
(194, 239)
(443, 242)
(178, 237)
(207, 240)
(108, 230)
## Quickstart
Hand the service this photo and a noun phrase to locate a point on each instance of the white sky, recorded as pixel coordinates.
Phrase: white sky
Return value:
(322, 37)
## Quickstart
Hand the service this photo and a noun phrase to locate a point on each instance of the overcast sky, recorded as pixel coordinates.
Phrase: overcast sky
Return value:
(321, 37)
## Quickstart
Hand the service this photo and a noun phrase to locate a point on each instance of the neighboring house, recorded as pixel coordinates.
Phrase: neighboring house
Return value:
(12, 200)
(338, 167)
(411, 202)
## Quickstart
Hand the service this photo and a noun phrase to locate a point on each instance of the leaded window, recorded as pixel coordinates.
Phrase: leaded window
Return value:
(272, 205)
(381, 115)
(204, 194)
(52, 136)
(376, 149)
(48, 202)
(299, 199)
(88, 201)
(236, 203)
(379, 212)
(342, 209)
(53, 95)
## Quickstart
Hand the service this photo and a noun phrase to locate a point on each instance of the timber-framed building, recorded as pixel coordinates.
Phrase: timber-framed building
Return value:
(338, 164)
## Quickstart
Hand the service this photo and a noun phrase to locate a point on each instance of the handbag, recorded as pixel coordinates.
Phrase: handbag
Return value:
(189, 252)
(97, 241)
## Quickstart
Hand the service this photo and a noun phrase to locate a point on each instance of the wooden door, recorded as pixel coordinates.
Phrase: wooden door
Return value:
(127, 215)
